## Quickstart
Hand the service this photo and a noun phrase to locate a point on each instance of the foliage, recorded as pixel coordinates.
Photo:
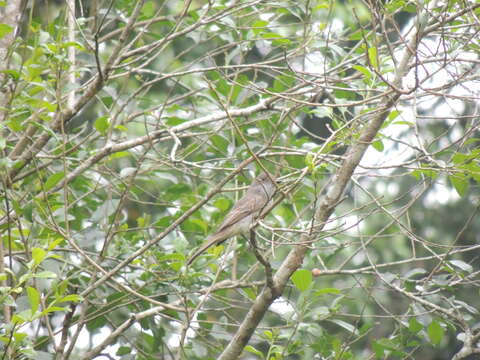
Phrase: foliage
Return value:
(131, 128)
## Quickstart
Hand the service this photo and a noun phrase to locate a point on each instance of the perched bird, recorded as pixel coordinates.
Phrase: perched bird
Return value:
(242, 215)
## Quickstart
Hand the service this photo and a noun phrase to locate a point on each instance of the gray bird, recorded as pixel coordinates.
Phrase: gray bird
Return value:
(242, 215)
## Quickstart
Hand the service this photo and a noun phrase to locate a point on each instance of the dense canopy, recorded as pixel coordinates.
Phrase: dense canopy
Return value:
(129, 129)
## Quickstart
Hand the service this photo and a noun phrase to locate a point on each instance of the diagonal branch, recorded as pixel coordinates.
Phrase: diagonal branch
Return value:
(62, 117)
(334, 194)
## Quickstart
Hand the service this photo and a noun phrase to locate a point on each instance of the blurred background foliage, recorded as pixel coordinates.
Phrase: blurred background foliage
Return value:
(100, 202)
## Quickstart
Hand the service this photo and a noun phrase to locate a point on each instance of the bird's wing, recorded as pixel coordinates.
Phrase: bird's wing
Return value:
(247, 205)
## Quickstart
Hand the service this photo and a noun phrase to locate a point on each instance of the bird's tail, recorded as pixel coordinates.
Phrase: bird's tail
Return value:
(212, 240)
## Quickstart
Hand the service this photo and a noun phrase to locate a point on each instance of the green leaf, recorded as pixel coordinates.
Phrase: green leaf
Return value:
(15, 124)
(74, 44)
(408, 123)
(268, 334)
(349, 327)
(435, 332)
(175, 257)
(18, 319)
(378, 145)
(394, 5)
(348, 93)
(222, 204)
(366, 327)
(174, 120)
(203, 321)
(382, 345)
(271, 35)
(54, 180)
(334, 291)
(460, 183)
(295, 161)
(38, 255)
(53, 244)
(46, 275)
(424, 171)
(415, 272)
(240, 83)
(96, 323)
(19, 337)
(364, 71)
(411, 8)
(199, 224)
(414, 326)
(121, 128)
(473, 170)
(118, 155)
(460, 159)
(107, 101)
(254, 351)
(461, 265)
(176, 191)
(309, 162)
(24, 278)
(282, 83)
(259, 26)
(61, 288)
(322, 111)
(101, 124)
(220, 142)
(73, 298)
(302, 279)
(216, 251)
(393, 115)
(13, 73)
(34, 298)
(51, 309)
(124, 350)
(251, 293)
(5, 29)
(372, 57)
(148, 9)
(222, 86)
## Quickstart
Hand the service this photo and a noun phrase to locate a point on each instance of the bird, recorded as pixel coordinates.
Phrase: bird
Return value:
(242, 215)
